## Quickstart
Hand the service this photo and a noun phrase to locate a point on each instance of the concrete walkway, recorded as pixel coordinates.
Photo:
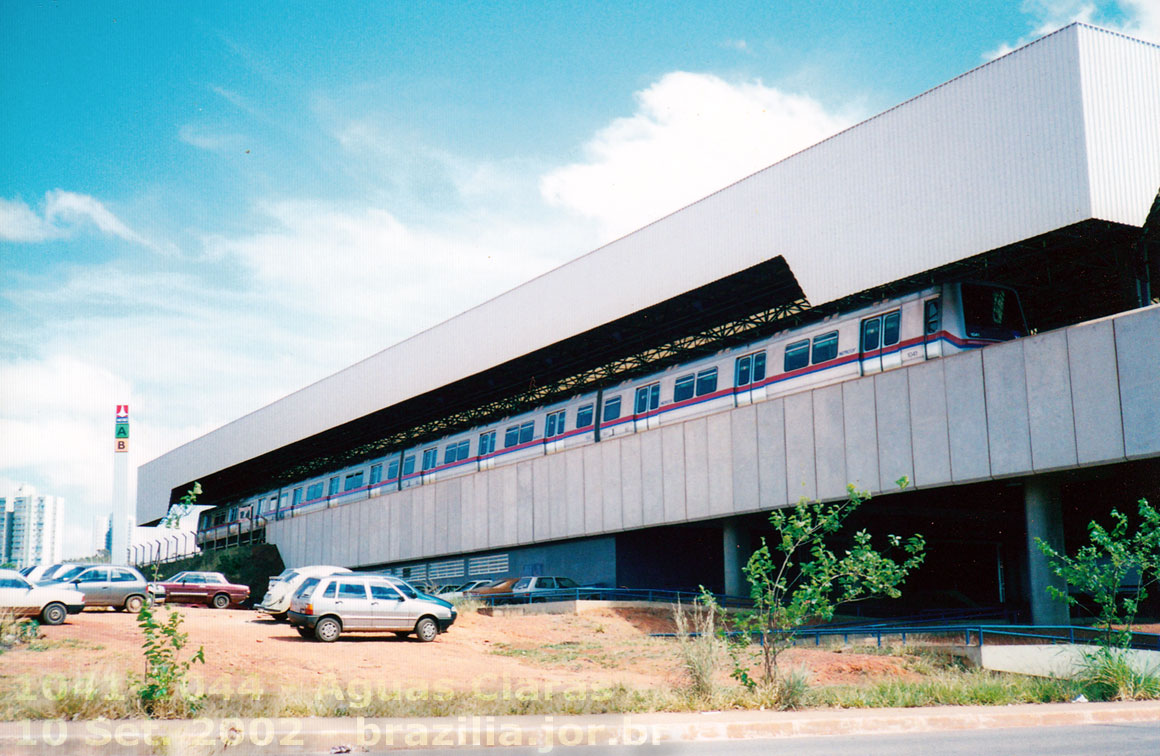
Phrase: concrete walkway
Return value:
(359, 735)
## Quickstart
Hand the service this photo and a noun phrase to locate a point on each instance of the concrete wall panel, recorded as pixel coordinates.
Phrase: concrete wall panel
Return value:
(652, 478)
(1095, 393)
(482, 489)
(1008, 431)
(696, 469)
(1049, 413)
(455, 517)
(442, 506)
(830, 442)
(1138, 358)
(967, 417)
(428, 514)
(801, 473)
(558, 495)
(928, 419)
(509, 486)
(746, 486)
(719, 433)
(574, 492)
(892, 404)
(673, 472)
(593, 490)
(860, 419)
(495, 511)
(525, 504)
(610, 476)
(771, 454)
(630, 481)
(542, 500)
(394, 548)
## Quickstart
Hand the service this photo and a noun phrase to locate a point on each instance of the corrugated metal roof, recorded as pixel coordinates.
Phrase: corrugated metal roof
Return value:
(1056, 132)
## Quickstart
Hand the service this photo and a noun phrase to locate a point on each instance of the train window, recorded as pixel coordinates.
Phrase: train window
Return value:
(393, 469)
(297, 497)
(584, 416)
(890, 327)
(871, 333)
(486, 443)
(683, 388)
(332, 489)
(554, 425)
(456, 452)
(353, 481)
(648, 398)
(825, 347)
(527, 430)
(409, 464)
(314, 492)
(706, 381)
(430, 458)
(931, 316)
(797, 355)
(376, 474)
(611, 408)
(511, 436)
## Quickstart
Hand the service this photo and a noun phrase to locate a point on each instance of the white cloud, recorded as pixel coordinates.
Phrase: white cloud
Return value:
(1140, 19)
(205, 138)
(64, 214)
(692, 134)
(20, 223)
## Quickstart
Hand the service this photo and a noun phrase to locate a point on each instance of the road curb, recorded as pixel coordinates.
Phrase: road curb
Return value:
(242, 737)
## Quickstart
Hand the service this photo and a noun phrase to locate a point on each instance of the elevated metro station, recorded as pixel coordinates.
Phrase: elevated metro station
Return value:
(1036, 174)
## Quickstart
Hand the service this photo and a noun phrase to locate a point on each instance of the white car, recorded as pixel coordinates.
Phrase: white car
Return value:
(282, 587)
(50, 603)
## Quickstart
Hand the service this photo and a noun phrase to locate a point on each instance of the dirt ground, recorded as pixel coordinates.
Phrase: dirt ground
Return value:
(246, 653)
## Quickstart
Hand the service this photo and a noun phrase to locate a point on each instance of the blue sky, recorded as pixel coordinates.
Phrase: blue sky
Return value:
(205, 206)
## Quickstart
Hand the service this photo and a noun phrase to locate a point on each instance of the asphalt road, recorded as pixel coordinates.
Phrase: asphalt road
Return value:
(1136, 739)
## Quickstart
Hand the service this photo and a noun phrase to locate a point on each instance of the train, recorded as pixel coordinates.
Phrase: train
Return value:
(933, 322)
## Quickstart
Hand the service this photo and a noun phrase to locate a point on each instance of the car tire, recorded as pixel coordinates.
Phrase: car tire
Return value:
(220, 601)
(53, 614)
(328, 629)
(304, 632)
(426, 630)
(134, 603)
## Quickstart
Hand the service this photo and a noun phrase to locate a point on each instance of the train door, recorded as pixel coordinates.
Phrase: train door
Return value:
(879, 347)
(748, 372)
(648, 398)
(931, 325)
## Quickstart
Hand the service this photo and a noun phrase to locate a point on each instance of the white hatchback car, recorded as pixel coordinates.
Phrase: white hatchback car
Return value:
(50, 603)
(282, 588)
(326, 607)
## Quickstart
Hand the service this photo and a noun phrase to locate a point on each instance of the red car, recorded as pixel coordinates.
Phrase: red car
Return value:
(210, 588)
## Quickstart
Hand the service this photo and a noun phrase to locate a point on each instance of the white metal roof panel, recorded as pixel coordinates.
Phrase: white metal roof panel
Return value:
(1056, 132)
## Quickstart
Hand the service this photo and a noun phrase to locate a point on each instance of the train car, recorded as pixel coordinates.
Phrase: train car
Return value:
(886, 335)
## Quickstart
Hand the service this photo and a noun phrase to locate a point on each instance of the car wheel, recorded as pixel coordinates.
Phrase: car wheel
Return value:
(134, 603)
(327, 630)
(53, 614)
(220, 601)
(304, 631)
(426, 630)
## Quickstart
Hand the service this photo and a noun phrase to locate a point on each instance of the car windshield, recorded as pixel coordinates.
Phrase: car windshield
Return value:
(406, 589)
(177, 577)
(70, 572)
(286, 576)
(522, 584)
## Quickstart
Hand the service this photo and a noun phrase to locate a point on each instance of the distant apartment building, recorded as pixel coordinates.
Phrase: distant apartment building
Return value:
(31, 526)
(102, 534)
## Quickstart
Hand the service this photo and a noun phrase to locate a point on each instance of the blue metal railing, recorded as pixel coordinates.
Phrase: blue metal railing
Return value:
(606, 594)
(972, 634)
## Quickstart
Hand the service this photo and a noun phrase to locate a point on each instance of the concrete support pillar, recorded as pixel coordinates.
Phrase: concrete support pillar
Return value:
(1041, 503)
(735, 541)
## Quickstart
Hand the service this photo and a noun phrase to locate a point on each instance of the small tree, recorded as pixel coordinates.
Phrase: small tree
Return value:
(800, 580)
(1102, 569)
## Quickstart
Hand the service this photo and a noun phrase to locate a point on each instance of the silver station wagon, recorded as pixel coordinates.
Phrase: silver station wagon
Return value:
(325, 607)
